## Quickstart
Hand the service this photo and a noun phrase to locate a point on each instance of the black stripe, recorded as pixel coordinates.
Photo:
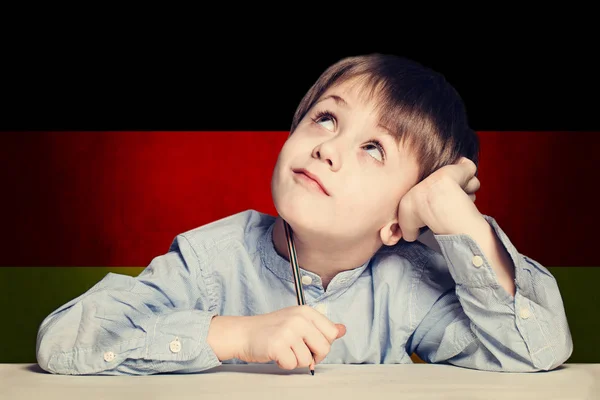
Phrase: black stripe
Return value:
(504, 88)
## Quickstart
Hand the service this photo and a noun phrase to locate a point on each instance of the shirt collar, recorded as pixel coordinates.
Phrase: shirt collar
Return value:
(283, 269)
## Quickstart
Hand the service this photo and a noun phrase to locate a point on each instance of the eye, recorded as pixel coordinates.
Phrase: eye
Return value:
(325, 119)
(376, 145)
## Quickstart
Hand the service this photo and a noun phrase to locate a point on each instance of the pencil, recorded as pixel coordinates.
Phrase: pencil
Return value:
(296, 272)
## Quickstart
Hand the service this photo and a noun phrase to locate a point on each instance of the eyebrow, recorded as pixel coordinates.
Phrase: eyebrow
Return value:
(338, 100)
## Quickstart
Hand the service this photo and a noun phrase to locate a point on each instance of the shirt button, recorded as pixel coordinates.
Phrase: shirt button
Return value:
(322, 308)
(109, 356)
(307, 280)
(477, 261)
(524, 313)
(175, 345)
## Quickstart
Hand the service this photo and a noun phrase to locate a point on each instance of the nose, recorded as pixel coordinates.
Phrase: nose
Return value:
(327, 152)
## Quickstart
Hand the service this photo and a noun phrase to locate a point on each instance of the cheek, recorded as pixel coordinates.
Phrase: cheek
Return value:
(292, 147)
(372, 198)
(363, 199)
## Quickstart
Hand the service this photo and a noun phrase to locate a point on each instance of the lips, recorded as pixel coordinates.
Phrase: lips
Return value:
(313, 177)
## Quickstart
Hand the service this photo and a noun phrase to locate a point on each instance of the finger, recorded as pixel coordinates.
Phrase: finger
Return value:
(472, 197)
(327, 328)
(463, 171)
(317, 344)
(410, 226)
(473, 185)
(304, 357)
(286, 358)
(341, 330)
(408, 221)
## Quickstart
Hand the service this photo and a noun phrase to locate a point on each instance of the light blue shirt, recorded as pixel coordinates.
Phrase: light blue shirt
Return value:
(447, 307)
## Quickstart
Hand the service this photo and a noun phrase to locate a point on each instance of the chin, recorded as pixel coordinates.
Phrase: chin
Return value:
(292, 211)
(301, 217)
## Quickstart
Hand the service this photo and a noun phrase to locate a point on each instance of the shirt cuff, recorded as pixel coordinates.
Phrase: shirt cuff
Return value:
(181, 336)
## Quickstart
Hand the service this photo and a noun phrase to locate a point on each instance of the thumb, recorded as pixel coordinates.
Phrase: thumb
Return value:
(341, 330)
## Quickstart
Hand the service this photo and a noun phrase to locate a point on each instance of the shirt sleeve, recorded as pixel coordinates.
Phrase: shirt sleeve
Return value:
(153, 323)
(477, 324)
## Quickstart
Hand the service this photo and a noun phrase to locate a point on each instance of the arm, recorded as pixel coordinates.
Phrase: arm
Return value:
(156, 322)
(480, 324)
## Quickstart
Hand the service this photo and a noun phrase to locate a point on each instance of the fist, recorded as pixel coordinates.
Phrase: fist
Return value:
(444, 202)
(290, 337)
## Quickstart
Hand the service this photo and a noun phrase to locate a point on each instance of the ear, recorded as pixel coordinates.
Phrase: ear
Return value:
(390, 233)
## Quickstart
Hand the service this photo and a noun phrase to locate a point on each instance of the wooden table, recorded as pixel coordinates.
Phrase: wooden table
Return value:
(347, 382)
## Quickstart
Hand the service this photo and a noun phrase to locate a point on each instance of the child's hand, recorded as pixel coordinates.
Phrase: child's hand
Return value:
(287, 336)
(444, 201)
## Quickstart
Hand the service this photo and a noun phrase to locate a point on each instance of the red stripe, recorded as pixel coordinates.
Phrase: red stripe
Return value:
(119, 198)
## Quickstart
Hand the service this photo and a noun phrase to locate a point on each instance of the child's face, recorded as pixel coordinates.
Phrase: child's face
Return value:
(364, 184)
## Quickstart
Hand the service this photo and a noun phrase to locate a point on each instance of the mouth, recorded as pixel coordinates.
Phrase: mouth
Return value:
(311, 179)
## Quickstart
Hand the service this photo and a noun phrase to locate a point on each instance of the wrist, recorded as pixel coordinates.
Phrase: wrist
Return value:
(226, 336)
(473, 227)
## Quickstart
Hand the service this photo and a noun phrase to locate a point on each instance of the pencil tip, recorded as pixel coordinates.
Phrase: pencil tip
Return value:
(312, 371)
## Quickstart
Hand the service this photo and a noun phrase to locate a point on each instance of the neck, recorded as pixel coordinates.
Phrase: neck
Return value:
(325, 258)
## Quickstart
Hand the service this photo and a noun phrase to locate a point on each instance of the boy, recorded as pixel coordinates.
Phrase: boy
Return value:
(379, 148)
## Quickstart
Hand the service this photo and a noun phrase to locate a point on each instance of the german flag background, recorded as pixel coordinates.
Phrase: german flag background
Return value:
(107, 156)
